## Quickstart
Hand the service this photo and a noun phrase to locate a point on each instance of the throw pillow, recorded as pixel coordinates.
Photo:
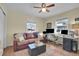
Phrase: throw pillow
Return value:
(30, 35)
(36, 34)
(21, 39)
(24, 35)
(20, 36)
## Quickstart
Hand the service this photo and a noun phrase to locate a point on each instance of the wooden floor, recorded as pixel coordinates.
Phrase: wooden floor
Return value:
(9, 51)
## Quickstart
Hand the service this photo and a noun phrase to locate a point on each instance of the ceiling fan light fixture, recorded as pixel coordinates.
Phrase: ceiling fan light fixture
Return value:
(43, 9)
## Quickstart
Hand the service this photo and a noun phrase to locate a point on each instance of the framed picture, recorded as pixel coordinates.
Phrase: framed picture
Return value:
(31, 26)
(77, 20)
(49, 25)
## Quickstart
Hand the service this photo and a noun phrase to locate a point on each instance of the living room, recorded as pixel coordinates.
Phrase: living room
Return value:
(18, 15)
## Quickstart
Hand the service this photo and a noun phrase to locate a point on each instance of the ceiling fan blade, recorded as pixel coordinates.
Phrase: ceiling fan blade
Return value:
(37, 7)
(3, 11)
(51, 5)
(42, 5)
(40, 11)
(47, 10)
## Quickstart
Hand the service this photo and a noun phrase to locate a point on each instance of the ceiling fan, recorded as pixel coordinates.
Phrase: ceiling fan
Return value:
(44, 7)
(2, 10)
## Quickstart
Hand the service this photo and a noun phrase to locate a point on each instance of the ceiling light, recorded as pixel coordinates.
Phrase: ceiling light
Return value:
(43, 9)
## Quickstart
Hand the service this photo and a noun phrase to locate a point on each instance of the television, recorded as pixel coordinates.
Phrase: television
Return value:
(49, 30)
(44, 32)
(64, 32)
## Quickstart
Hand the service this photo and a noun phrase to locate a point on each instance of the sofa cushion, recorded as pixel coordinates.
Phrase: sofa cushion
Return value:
(30, 35)
(36, 34)
(16, 36)
(31, 40)
(23, 42)
(25, 36)
(21, 39)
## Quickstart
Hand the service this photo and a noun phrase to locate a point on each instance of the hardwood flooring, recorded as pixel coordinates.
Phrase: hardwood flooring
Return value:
(52, 50)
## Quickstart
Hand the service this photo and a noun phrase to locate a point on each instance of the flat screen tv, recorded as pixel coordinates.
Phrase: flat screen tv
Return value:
(49, 30)
(64, 32)
(44, 32)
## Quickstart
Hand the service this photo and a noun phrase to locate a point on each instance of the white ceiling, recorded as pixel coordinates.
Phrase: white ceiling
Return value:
(29, 10)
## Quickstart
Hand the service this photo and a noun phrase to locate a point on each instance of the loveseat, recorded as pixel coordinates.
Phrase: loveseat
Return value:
(21, 40)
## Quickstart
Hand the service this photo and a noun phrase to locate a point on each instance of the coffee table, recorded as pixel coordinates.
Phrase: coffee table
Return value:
(35, 50)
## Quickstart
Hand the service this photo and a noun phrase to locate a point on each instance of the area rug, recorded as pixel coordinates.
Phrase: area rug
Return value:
(50, 51)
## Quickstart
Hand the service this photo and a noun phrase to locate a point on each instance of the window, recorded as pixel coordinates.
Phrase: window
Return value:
(31, 26)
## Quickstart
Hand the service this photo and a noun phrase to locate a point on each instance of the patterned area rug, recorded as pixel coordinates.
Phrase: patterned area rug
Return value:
(50, 51)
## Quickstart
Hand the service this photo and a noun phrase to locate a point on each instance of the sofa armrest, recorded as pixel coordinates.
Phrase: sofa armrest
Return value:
(15, 45)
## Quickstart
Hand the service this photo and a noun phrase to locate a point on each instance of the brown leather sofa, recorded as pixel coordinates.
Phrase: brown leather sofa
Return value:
(22, 43)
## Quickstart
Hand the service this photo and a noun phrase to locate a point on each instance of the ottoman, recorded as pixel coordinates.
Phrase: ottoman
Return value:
(36, 50)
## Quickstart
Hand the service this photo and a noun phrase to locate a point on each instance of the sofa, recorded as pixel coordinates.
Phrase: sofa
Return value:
(21, 40)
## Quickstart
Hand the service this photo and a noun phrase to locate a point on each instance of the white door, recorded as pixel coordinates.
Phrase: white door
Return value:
(2, 30)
